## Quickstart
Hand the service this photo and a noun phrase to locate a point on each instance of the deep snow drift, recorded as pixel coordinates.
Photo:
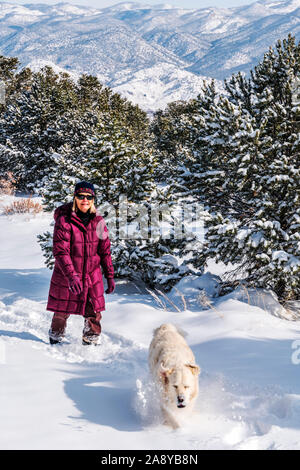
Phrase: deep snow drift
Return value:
(70, 396)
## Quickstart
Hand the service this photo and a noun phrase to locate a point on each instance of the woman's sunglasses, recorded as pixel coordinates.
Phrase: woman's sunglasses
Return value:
(81, 197)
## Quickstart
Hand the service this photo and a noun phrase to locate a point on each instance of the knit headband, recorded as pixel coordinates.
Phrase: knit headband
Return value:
(86, 187)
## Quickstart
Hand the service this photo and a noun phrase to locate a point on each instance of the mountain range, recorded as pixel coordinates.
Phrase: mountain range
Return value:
(150, 54)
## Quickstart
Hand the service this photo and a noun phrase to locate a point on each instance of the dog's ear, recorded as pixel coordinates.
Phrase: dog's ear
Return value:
(165, 372)
(194, 368)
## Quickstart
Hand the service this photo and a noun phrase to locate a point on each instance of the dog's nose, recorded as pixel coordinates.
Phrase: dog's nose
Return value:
(180, 401)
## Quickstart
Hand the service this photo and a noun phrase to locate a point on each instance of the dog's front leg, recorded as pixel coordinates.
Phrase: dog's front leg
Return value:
(168, 418)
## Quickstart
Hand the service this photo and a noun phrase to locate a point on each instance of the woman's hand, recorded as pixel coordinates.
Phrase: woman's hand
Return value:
(111, 285)
(75, 284)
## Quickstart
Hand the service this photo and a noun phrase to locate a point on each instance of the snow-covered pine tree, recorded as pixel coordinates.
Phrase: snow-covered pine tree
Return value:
(92, 95)
(28, 124)
(252, 180)
(11, 158)
(171, 134)
(121, 166)
(163, 257)
(197, 125)
(122, 172)
(8, 67)
(14, 82)
(46, 114)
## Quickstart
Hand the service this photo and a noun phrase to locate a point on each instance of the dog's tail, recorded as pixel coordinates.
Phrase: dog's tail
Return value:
(170, 327)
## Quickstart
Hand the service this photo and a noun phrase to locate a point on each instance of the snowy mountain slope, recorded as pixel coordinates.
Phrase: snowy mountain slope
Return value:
(130, 38)
(157, 86)
(152, 88)
(184, 44)
(58, 42)
(242, 51)
(218, 41)
(73, 397)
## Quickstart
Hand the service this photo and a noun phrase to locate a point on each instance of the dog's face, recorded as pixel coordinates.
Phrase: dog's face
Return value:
(180, 384)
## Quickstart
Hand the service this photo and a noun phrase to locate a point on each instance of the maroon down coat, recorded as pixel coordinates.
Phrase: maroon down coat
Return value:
(79, 250)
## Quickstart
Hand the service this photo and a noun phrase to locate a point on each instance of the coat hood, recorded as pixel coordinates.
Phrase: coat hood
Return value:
(65, 209)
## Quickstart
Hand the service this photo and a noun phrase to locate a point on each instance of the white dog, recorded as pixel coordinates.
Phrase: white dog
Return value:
(172, 366)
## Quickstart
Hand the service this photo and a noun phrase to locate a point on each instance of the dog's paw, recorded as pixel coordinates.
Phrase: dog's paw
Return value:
(171, 423)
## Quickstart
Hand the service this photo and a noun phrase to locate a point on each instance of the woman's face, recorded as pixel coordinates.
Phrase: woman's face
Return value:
(84, 204)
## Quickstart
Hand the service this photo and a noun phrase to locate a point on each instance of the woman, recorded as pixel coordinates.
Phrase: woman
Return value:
(79, 249)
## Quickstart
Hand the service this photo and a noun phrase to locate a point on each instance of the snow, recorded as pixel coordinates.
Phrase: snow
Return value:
(154, 87)
(69, 396)
(236, 60)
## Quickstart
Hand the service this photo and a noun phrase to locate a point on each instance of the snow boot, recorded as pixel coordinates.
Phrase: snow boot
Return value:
(54, 338)
(87, 340)
(54, 341)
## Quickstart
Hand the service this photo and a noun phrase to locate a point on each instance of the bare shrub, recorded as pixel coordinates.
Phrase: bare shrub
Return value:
(23, 206)
(8, 184)
(168, 299)
(158, 300)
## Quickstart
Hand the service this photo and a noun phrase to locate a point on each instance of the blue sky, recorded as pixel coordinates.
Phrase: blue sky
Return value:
(178, 3)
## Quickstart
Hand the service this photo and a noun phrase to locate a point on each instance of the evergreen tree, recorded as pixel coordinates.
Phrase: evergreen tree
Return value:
(50, 111)
(120, 168)
(12, 82)
(249, 174)
(92, 95)
(28, 124)
(172, 135)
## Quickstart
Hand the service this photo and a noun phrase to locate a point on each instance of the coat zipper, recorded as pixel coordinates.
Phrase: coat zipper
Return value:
(84, 268)
(84, 258)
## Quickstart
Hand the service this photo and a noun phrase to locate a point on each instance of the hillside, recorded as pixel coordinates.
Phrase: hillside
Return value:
(130, 46)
